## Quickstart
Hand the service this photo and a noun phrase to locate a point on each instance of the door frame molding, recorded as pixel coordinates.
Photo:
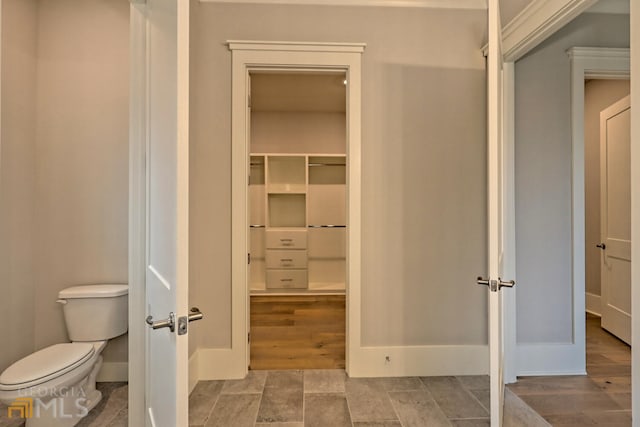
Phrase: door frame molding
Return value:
(248, 55)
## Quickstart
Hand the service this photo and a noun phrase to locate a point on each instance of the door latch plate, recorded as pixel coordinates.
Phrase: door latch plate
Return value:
(183, 325)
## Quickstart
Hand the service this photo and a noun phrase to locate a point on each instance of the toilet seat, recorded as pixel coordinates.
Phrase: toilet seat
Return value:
(45, 365)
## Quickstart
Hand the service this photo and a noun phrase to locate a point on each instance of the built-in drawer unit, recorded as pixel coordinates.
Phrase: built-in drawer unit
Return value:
(286, 239)
(287, 279)
(279, 258)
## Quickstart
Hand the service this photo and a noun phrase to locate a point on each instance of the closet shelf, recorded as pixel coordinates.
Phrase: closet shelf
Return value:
(326, 164)
(326, 226)
(286, 189)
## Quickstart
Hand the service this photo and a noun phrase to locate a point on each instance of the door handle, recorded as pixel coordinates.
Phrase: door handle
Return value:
(170, 322)
(195, 314)
(495, 285)
(481, 281)
(506, 284)
(601, 246)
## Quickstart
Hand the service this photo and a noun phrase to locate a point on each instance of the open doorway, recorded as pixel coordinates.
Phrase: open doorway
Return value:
(297, 219)
(607, 202)
(598, 95)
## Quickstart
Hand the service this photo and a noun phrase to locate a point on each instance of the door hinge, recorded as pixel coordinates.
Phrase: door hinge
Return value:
(248, 258)
(249, 337)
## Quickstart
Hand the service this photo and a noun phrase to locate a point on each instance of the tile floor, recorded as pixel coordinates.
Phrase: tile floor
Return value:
(324, 398)
(329, 398)
(110, 412)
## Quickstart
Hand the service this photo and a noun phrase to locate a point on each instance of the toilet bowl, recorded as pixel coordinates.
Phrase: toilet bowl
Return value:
(55, 386)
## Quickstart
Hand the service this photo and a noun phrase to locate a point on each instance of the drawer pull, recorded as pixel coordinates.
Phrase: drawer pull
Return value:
(286, 240)
(286, 280)
(286, 260)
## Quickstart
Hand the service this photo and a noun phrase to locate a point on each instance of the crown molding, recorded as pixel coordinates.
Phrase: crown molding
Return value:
(536, 22)
(427, 4)
(599, 53)
(602, 62)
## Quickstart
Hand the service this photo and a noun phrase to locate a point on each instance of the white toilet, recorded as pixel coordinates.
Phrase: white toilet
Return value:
(56, 386)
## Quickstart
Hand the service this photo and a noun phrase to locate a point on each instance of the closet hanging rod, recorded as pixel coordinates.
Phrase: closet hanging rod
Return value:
(256, 164)
(326, 164)
(257, 226)
(327, 226)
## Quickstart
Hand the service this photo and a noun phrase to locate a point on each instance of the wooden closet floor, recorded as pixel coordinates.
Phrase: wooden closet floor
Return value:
(298, 332)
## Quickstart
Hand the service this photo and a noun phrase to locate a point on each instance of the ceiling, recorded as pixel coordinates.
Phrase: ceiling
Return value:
(299, 92)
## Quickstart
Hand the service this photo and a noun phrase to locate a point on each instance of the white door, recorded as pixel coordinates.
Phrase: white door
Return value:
(496, 212)
(615, 195)
(167, 212)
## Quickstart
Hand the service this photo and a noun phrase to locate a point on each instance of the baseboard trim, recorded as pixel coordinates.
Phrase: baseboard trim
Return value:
(113, 372)
(419, 361)
(221, 364)
(593, 304)
(550, 359)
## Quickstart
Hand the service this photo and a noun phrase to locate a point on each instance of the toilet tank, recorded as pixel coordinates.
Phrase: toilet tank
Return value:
(95, 312)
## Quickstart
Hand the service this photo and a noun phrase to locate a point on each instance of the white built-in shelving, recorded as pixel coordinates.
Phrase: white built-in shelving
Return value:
(297, 223)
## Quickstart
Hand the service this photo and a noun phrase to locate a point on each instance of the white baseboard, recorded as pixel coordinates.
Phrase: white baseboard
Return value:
(113, 372)
(220, 364)
(550, 359)
(194, 371)
(419, 361)
(592, 302)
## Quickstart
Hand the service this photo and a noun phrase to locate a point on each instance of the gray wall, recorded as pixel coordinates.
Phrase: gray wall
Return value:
(423, 157)
(64, 182)
(17, 179)
(543, 176)
(82, 140)
(598, 95)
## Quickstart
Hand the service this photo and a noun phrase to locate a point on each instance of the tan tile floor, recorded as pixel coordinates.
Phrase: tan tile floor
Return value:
(329, 398)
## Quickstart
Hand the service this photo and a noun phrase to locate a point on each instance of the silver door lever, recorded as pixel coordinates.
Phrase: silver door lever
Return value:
(170, 322)
(195, 314)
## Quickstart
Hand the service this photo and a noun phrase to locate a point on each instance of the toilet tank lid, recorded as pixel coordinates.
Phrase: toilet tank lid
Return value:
(94, 291)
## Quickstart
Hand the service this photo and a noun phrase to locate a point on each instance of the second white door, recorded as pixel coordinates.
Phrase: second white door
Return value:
(615, 196)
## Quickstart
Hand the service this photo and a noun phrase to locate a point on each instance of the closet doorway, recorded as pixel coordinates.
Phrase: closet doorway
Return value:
(297, 210)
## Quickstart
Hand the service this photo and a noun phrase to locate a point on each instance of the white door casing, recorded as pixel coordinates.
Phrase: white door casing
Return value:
(167, 221)
(615, 211)
(257, 55)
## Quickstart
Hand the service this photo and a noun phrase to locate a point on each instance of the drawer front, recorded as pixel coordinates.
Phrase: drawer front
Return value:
(295, 258)
(286, 239)
(287, 279)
